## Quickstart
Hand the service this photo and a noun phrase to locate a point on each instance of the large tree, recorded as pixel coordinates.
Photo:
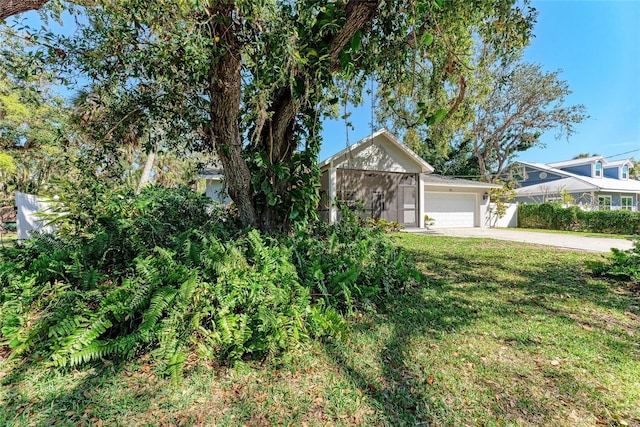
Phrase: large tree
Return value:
(522, 103)
(34, 121)
(253, 79)
(497, 107)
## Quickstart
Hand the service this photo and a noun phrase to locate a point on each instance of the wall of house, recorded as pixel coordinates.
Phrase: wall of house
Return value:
(509, 220)
(325, 202)
(583, 170)
(217, 191)
(376, 156)
(533, 177)
(29, 219)
(373, 194)
(616, 199)
(612, 172)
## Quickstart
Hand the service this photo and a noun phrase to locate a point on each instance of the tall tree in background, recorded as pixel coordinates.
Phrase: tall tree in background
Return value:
(500, 107)
(34, 121)
(522, 103)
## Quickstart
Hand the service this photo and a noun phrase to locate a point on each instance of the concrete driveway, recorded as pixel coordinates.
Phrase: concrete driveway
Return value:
(583, 243)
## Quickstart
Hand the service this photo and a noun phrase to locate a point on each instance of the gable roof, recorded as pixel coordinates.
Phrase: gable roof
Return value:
(575, 183)
(423, 166)
(617, 163)
(211, 171)
(578, 162)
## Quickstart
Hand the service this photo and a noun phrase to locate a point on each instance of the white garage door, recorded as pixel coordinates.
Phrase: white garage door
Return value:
(451, 209)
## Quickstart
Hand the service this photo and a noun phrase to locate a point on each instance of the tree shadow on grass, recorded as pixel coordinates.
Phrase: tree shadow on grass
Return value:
(448, 302)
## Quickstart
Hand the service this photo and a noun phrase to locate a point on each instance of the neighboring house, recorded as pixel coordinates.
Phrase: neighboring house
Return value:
(389, 181)
(394, 183)
(216, 188)
(590, 182)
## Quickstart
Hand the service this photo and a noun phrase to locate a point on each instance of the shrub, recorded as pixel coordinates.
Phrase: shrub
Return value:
(553, 216)
(622, 264)
(151, 276)
(351, 264)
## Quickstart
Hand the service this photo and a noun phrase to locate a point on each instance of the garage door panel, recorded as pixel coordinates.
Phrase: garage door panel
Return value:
(451, 209)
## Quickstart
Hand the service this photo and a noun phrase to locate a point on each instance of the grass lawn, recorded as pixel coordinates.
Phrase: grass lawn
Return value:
(501, 333)
(8, 239)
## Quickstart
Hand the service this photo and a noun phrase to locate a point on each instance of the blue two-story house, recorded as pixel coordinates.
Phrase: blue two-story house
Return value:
(590, 182)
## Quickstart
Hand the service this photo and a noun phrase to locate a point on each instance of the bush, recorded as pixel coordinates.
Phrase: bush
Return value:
(553, 216)
(350, 264)
(614, 222)
(160, 274)
(622, 264)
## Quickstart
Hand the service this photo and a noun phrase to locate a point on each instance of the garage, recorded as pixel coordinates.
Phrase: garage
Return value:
(451, 209)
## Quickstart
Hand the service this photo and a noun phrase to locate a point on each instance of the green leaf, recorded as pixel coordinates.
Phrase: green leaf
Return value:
(427, 39)
(356, 41)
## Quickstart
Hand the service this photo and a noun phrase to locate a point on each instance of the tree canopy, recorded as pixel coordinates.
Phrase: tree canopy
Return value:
(252, 80)
(499, 106)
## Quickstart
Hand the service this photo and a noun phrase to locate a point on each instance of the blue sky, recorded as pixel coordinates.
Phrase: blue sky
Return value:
(596, 44)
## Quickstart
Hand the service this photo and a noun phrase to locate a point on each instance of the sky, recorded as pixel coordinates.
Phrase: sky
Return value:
(596, 44)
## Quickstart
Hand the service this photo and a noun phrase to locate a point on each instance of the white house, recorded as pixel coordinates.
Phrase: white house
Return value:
(215, 189)
(394, 183)
(389, 181)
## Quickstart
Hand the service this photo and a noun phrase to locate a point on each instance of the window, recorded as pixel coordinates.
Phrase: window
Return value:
(626, 203)
(598, 170)
(604, 203)
(543, 175)
(625, 172)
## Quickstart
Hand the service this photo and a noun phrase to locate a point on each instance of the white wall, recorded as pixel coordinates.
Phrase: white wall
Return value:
(29, 220)
(509, 220)
(217, 191)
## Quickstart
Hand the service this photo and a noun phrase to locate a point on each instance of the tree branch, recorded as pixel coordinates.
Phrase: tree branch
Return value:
(13, 7)
(358, 14)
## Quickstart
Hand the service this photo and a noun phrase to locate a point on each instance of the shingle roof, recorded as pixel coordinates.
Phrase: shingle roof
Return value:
(211, 171)
(585, 183)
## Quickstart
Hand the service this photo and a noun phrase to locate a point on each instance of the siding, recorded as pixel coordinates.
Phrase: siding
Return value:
(612, 172)
(533, 177)
(584, 170)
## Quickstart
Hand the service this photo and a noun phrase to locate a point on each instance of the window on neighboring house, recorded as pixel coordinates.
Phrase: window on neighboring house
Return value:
(604, 203)
(598, 170)
(625, 172)
(626, 203)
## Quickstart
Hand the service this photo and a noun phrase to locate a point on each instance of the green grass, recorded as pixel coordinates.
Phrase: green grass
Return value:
(501, 333)
(8, 239)
(576, 233)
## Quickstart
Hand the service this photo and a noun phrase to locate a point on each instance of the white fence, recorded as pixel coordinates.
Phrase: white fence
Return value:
(29, 219)
(509, 220)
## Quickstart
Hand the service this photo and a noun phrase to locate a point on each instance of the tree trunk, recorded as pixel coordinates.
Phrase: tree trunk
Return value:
(13, 7)
(225, 88)
(277, 137)
(146, 172)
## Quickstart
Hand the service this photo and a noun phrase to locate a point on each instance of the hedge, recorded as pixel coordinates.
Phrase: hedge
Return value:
(553, 216)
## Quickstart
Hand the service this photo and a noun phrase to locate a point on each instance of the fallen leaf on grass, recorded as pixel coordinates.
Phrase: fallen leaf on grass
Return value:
(585, 326)
(430, 379)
